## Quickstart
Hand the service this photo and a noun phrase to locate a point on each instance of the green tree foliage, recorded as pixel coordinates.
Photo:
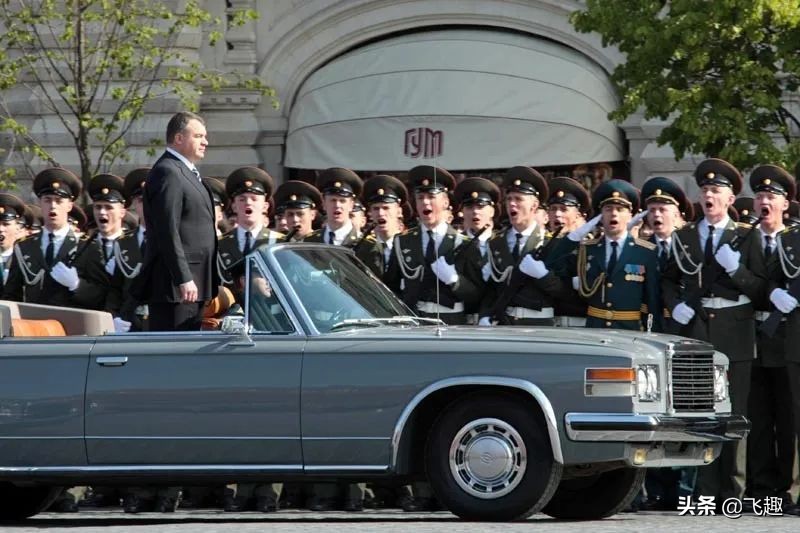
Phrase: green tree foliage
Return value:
(97, 64)
(722, 71)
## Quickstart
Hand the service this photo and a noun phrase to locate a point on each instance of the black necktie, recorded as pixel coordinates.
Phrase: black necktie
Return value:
(515, 251)
(767, 246)
(612, 261)
(105, 249)
(708, 251)
(50, 252)
(430, 249)
(247, 242)
(2, 270)
(663, 255)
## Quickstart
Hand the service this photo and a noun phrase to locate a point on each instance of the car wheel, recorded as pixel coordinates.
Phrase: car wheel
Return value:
(489, 458)
(596, 496)
(17, 502)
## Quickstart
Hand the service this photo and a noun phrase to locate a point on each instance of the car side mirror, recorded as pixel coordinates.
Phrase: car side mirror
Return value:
(236, 325)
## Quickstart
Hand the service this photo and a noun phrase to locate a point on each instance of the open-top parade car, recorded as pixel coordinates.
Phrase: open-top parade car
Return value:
(329, 376)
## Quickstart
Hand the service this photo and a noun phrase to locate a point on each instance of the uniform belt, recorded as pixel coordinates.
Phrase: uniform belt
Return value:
(722, 303)
(524, 312)
(608, 314)
(761, 316)
(570, 321)
(431, 307)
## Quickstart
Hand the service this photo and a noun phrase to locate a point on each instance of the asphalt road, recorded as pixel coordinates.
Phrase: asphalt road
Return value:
(113, 521)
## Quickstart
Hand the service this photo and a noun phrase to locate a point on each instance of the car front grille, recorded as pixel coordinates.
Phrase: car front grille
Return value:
(692, 378)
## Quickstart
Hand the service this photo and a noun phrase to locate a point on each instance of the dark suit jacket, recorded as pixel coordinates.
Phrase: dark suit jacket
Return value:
(182, 238)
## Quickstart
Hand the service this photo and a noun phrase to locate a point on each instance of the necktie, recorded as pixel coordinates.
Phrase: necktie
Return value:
(663, 255)
(331, 236)
(143, 246)
(105, 249)
(2, 270)
(612, 261)
(430, 249)
(708, 252)
(767, 246)
(247, 242)
(197, 174)
(516, 250)
(50, 252)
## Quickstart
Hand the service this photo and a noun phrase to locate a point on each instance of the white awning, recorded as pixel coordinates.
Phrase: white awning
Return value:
(462, 99)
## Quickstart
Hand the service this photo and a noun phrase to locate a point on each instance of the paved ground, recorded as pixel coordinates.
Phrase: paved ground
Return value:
(380, 522)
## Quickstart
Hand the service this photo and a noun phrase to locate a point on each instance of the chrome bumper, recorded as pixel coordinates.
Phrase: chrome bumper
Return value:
(615, 427)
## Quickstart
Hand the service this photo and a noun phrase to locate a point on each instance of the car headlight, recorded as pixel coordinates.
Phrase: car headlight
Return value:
(647, 387)
(720, 383)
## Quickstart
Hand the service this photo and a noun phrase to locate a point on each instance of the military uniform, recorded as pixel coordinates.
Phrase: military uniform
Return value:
(295, 194)
(723, 317)
(12, 208)
(410, 272)
(29, 278)
(388, 190)
(771, 442)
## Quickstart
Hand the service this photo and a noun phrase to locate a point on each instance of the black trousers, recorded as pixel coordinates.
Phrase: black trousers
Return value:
(166, 316)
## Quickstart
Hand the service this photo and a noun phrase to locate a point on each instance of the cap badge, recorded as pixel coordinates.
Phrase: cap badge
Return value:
(767, 181)
(658, 192)
(615, 194)
(2, 209)
(517, 182)
(425, 183)
(745, 212)
(56, 185)
(104, 190)
(560, 194)
(142, 184)
(474, 194)
(381, 192)
(710, 175)
(248, 183)
(293, 198)
(337, 184)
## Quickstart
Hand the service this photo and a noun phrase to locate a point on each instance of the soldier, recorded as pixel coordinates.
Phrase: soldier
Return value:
(771, 442)
(385, 197)
(38, 273)
(358, 215)
(566, 207)
(745, 210)
(77, 220)
(421, 269)
(33, 220)
(280, 223)
(12, 216)
(792, 215)
(521, 288)
(478, 199)
(300, 201)
(617, 274)
(709, 288)
(219, 198)
(250, 190)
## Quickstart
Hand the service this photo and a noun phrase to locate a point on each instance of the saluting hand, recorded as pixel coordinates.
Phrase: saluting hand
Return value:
(577, 235)
(188, 292)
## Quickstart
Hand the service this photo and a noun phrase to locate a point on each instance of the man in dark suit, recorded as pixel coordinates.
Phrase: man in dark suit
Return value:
(730, 282)
(179, 273)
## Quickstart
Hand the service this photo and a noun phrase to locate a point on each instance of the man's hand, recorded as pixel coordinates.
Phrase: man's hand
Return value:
(533, 267)
(728, 258)
(121, 326)
(784, 302)
(188, 292)
(682, 314)
(577, 235)
(485, 321)
(444, 271)
(66, 276)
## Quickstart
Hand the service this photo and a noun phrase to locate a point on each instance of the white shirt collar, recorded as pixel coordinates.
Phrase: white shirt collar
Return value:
(182, 159)
(527, 232)
(254, 231)
(620, 240)
(439, 230)
(721, 225)
(339, 234)
(6, 253)
(112, 238)
(59, 233)
(774, 234)
(485, 236)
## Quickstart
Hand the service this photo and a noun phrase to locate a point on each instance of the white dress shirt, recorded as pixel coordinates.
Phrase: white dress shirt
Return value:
(511, 237)
(439, 231)
(58, 239)
(610, 249)
(241, 236)
(338, 235)
(186, 162)
(719, 227)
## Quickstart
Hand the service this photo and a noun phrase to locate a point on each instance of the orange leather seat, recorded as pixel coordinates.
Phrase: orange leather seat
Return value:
(217, 307)
(25, 327)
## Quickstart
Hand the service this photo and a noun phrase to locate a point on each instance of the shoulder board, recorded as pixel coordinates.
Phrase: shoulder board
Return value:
(548, 234)
(786, 230)
(85, 237)
(370, 238)
(644, 244)
(315, 233)
(743, 225)
(590, 242)
(229, 233)
(411, 232)
(278, 235)
(27, 238)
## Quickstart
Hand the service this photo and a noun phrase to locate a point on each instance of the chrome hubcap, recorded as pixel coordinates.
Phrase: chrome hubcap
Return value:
(488, 458)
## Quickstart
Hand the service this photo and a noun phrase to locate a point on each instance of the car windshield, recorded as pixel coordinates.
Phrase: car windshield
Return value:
(337, 290)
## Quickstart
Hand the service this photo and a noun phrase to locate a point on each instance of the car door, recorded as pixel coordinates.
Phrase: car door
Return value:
(197, 398)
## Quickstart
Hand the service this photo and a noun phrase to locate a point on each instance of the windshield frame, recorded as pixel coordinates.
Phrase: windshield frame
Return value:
(287, 293)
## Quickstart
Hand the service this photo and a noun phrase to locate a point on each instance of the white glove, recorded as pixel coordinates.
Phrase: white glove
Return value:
(66, 276)
(682, 314)
(784, 302)
(485, 321)
(121, 326)
(577, 235)
(532, 267)
(576, 283)
(638, 218)
(728, 258)
(444, 271)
